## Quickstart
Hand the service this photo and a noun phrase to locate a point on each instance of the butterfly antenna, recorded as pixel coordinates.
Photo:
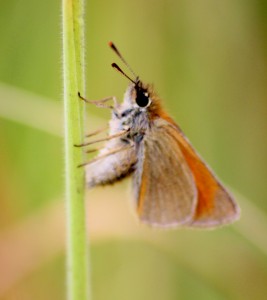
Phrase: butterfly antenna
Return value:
(115, 66)
(115, 49)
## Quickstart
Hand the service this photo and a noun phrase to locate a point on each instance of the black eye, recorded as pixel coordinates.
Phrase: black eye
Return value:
(142, 99)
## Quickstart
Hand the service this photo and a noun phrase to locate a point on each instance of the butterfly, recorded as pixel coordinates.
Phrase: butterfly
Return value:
(172, 185)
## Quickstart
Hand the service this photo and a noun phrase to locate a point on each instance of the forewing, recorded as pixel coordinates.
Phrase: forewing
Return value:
(164, 187)
(215, 206)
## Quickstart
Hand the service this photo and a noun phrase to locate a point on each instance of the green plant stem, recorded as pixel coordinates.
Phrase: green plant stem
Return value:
(73, 69)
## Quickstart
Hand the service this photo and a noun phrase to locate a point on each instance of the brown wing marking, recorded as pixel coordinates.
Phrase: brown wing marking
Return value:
(164, 186)
(215, 205)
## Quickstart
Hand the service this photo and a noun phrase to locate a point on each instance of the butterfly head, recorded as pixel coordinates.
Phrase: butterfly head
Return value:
(138, 95)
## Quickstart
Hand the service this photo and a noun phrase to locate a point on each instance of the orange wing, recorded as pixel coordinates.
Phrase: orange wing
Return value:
(163, 189)
(215, 205)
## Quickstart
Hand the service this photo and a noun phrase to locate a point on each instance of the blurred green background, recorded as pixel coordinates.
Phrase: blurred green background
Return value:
(207, 60)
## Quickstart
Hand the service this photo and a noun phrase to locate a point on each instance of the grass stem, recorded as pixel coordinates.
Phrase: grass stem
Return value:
(73, 73)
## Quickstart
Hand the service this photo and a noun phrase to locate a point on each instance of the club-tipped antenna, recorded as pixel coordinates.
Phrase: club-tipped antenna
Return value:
(115, 66)
(114, 48)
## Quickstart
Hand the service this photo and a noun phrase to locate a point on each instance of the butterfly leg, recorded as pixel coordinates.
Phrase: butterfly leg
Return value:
(122, 133)
(101, 102)
(97, 131)
(93, 150)
(114, 151)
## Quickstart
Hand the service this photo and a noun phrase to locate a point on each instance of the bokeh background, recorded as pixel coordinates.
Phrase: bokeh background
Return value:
(207, 60)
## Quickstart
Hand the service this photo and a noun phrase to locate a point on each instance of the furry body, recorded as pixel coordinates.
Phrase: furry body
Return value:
(125, 116)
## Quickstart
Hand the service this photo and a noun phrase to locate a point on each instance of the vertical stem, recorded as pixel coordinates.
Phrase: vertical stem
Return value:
(73, 73)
